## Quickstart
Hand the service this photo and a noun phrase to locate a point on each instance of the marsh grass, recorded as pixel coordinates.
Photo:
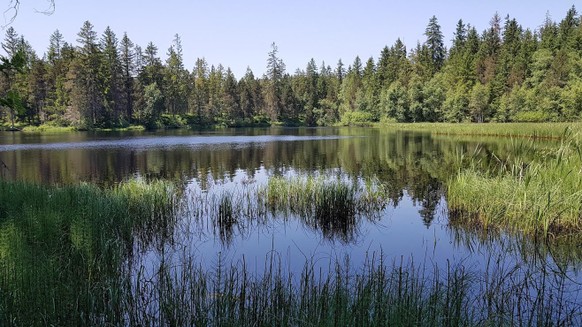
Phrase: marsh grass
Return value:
(540, 197)
(321, 198)
(61, 248)
(521, 130)
(64, 260)
(334, 206)
(378, 293)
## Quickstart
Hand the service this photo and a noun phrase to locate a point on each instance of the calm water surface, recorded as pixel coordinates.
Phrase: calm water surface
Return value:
(413, 167)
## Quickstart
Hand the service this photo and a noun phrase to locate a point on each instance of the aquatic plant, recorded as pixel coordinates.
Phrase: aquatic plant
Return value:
(523, 130)
(540, 197)
(67, 258)
(62, 248)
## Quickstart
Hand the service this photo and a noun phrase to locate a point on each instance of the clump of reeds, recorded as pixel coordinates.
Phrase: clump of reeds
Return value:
(61, 248)
(333, 206)
(321, 198)
(541, 197)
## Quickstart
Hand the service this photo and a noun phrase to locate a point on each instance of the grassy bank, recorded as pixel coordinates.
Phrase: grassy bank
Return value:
(527, 130)
(534, 190)
(542, 196)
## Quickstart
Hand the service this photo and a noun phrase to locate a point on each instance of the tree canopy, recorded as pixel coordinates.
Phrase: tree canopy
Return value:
(504, 73)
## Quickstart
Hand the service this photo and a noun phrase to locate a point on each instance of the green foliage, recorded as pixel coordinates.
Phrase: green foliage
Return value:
(152, 109)
(61, 249)
(356, 118)
(507, 73)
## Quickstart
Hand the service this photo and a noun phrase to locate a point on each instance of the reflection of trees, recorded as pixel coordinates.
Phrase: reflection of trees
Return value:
(404, 162)
(560, 255)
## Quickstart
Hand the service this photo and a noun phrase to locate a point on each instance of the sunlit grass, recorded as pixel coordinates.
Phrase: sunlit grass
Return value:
(541, 197)
(528, 130)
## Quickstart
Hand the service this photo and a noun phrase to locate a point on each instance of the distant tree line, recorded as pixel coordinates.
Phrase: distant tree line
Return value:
(504, 73)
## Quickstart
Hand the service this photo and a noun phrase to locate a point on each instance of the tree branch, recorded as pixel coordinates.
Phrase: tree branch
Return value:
(14, 6)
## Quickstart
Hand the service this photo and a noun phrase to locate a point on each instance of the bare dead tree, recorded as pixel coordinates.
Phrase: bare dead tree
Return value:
(14, 5)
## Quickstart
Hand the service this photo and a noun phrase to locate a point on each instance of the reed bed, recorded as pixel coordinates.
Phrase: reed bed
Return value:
(61, 248)
(67, 258)
(400, 293)
(540, 197)
(522, 130)
(322, 198)
(333, 206)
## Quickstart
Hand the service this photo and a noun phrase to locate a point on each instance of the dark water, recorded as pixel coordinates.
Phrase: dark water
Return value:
(412, 167)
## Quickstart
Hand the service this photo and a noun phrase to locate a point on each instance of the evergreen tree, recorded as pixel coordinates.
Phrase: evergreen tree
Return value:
(85, 80)
(12, 42)
(112, 79)
(274, 81)
(435, 45)
(175, 79)
(199, 95)
(127, 57)
(249, 95)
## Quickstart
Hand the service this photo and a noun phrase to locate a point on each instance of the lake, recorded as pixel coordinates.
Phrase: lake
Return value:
(411, 168)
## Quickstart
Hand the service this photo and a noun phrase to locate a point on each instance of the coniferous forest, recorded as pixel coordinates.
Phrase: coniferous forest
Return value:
(505, 73)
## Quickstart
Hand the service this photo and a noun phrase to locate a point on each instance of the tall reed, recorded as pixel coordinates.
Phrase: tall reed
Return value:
(540, 197)
(61, 248)
(400, 293)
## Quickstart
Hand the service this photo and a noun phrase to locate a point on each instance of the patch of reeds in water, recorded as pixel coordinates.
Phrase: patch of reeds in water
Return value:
(64, 261)
(62, 248)
(541, 197)
(522, 130)
(332, 206)
(377, 294)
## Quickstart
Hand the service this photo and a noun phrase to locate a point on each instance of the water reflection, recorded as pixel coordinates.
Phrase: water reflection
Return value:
(222, 213)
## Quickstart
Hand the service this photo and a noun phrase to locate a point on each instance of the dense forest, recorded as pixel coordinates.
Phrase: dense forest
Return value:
(504, 73)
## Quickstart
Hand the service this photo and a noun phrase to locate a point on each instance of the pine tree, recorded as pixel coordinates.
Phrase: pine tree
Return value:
(127, 57)
(175, 79)
(112, 80)
(12, 42)
(199, 94)
(273, 89)
(435, 45)
(85, 79)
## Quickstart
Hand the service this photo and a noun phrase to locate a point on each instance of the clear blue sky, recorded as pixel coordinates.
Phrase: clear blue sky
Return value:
(239, 33)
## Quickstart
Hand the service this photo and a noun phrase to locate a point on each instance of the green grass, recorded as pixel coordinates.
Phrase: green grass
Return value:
(376, 294)
(52, 129)
(528, 130)
(333, 206)
(534, 190)
(49, 129)
(539, 197)
(61, 248)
